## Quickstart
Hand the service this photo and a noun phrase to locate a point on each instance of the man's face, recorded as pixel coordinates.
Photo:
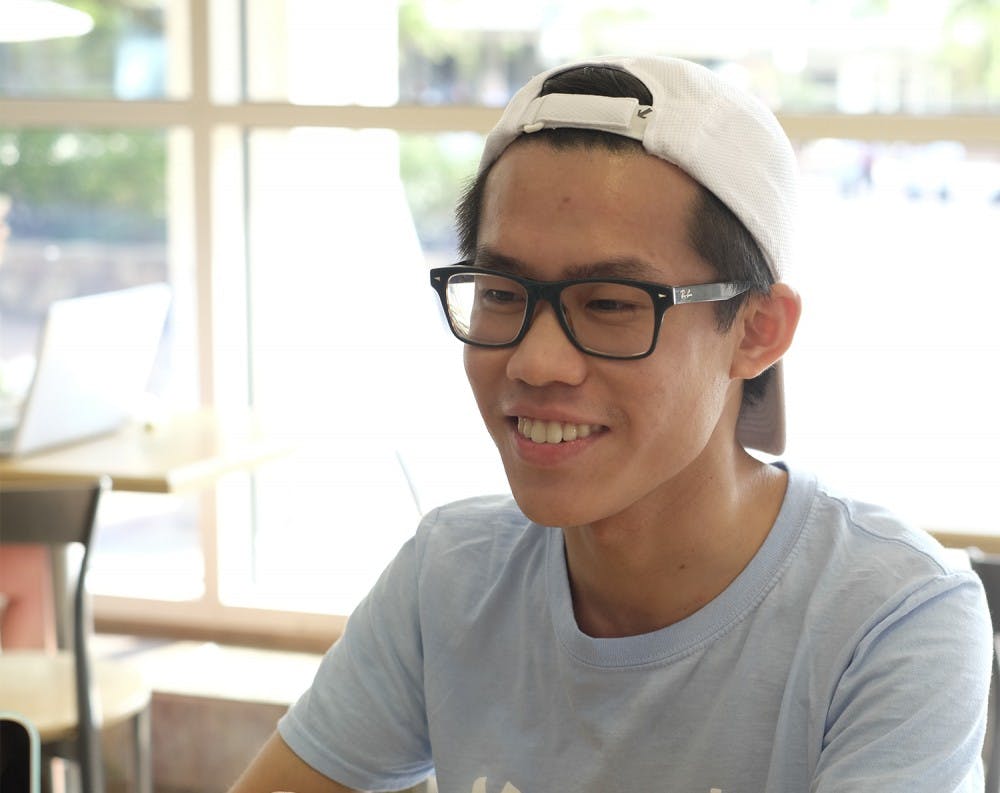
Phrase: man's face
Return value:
(645, 429)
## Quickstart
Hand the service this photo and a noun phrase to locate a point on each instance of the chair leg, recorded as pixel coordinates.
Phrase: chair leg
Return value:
(993, 730)
(58, 775)
(47, 776)
(142, 753)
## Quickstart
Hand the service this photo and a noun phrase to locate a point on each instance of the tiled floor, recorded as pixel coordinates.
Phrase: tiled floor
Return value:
(206, 669)
(213, 707)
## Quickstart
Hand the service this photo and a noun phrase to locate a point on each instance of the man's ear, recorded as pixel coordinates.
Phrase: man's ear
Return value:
(768, 324)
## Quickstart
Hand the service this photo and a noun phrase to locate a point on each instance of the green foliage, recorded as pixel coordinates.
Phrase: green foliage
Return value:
(972, 49)
(434, 168)
(82, 67)
(112, 181)
(86, 182)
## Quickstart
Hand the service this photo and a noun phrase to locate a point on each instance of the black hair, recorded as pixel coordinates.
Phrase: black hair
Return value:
(714, 231)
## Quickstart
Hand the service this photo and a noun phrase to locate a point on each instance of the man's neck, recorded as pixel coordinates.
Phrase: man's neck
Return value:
(665, 559)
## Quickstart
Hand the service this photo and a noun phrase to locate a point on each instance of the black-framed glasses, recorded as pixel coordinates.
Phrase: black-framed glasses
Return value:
(606, 317)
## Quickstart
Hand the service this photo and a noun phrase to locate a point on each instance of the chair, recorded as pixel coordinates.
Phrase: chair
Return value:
(20, 758)
(66, 694)
(987, 566)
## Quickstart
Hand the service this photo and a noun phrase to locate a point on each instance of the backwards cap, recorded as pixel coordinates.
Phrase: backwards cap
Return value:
(721, 136)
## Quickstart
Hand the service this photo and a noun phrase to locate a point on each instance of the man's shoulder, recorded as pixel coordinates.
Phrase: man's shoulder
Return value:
(862, 533)
(478, 556)
(496, 505)
(859, 561)
(859, 569)
(477, 529)
(487, 515)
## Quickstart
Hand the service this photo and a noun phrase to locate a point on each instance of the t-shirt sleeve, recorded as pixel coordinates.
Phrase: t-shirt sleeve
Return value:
(909, 712)
(363, 721)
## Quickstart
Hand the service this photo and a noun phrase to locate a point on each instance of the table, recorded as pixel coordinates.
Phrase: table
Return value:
(181, 452)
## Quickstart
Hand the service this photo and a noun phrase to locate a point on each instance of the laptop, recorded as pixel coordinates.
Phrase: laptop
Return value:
(93, 362)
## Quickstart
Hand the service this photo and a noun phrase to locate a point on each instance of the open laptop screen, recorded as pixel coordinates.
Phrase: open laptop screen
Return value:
(94, 359)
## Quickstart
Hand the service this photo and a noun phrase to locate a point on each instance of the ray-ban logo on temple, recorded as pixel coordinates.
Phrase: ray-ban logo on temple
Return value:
(606, 317)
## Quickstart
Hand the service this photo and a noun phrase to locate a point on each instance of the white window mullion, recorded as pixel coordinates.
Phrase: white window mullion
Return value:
(200, 120)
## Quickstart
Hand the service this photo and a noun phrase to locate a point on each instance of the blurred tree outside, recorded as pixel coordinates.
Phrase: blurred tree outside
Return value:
(84, 67)
(439, 64)
(88, 214)
(434, 170)
(971, 51)
(73, 184)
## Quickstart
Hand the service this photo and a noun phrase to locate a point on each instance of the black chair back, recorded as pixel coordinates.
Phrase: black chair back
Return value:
(987, 566)
(61, 517)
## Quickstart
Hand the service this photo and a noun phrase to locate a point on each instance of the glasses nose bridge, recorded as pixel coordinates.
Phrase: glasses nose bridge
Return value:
(549, 293)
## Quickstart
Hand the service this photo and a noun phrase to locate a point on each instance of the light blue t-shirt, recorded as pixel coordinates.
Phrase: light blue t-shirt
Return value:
(847, 656)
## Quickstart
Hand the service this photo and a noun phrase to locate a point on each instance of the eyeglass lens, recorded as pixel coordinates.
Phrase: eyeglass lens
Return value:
(606, 318)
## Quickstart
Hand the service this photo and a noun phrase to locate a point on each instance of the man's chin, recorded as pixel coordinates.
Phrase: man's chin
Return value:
(543, 509)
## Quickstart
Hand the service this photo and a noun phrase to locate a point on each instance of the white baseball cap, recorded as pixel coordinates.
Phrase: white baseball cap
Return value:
(720, 135)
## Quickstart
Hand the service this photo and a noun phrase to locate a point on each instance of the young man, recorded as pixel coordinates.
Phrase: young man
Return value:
(655, 609)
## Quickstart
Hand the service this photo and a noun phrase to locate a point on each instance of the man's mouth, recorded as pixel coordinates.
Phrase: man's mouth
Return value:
(541, 431)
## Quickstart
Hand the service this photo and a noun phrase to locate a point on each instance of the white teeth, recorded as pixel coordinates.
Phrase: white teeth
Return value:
(540, 431)
(553, 432)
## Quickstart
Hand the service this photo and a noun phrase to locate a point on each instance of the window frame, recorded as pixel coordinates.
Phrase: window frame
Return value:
(216, 256)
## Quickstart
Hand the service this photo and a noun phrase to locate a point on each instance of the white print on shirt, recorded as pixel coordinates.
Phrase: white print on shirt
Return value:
(479, 786)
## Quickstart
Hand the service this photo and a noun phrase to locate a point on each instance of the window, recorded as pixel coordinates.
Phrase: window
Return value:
(291, 170)
(94, 201)
(889, 379)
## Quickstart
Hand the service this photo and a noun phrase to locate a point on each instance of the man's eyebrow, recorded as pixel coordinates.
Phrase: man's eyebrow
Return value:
(493, 260)
(623, 267)
(618, 267)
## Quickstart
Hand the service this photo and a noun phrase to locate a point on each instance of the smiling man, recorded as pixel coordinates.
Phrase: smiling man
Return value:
(655, 608)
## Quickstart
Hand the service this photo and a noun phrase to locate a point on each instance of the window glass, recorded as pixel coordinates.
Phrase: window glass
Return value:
(148, 546)
(351, 358)
(888, 381)
(892, 377)
(434, 169)
(87, 212)
(809, 55)
(311, 52)
(92, 49)
(866, 56)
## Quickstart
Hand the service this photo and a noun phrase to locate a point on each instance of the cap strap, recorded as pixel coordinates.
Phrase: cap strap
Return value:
(618, 115)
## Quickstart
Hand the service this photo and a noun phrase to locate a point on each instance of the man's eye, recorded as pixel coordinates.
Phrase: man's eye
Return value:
(500, 297)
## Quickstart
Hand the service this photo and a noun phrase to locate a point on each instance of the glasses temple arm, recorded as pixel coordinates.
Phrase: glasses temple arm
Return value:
(708, 293)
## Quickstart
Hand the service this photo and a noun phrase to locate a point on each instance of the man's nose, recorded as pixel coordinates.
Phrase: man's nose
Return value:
(546, 355)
